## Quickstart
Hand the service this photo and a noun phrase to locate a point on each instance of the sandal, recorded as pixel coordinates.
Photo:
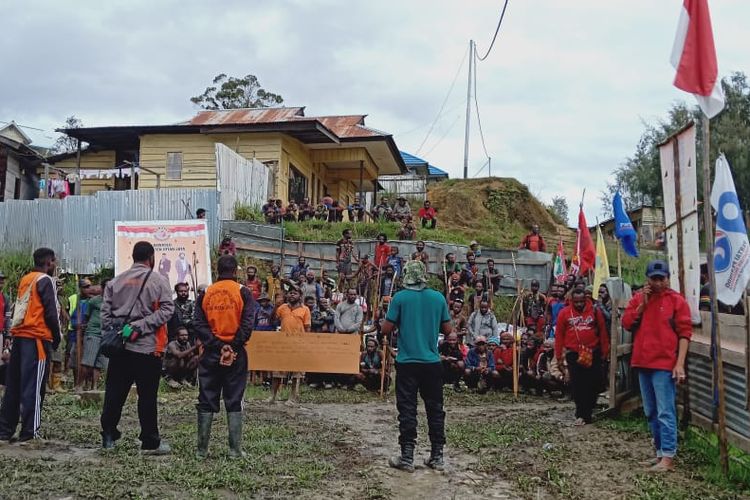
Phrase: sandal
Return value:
(579, 422)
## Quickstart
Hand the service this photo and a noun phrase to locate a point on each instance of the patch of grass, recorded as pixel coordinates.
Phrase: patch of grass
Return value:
(315, 396)
(243, 211)
(698, 455)
(285, 455)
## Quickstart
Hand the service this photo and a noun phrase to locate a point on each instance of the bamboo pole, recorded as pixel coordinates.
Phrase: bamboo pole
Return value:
(715, 325)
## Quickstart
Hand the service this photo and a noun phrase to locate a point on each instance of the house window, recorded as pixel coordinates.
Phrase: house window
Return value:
(297, 185)
(174, 166)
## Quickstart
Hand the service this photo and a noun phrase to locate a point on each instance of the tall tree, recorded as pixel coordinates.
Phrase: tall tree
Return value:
(639, 177)
(559, 207)
(65, 143)
(229, 92)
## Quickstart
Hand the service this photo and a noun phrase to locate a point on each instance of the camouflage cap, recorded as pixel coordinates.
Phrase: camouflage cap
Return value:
(415, 275)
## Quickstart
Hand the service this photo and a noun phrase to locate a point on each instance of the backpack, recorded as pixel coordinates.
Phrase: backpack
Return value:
(22, 305)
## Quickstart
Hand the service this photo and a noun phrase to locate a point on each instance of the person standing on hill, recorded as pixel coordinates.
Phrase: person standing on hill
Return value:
(534, 241)
(35, 329)
(659, 319)
(420, 314)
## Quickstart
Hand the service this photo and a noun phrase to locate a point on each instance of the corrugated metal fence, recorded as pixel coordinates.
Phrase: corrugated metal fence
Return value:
(264, 242)
(81, 228)
(240, 180)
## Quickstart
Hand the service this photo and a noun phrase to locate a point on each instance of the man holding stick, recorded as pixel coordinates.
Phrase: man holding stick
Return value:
(420, 314)
(659, 319)
(224, 319)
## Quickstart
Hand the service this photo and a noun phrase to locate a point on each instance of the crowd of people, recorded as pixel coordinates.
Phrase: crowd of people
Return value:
(331, 210)
(556, 343)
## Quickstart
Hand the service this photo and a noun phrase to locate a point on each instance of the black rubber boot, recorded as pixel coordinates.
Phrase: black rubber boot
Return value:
(205, 419)
(436, 458)
(234, 422)
(405, 461)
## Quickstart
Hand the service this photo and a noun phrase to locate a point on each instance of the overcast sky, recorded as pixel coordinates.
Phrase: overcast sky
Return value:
(562, 96)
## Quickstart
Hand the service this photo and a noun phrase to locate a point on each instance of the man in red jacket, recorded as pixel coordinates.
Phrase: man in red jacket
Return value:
(581, 328)
(659, 319)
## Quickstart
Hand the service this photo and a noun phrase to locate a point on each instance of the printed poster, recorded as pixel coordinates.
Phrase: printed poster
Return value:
(679, 182)
(182, 249)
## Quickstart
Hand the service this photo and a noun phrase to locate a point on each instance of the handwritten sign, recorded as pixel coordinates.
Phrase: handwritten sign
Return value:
(304, 352)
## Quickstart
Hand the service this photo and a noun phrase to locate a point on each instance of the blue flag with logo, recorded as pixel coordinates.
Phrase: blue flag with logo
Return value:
(624, 230)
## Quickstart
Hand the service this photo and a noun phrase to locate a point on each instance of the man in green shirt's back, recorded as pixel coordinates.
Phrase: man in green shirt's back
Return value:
(420, 314)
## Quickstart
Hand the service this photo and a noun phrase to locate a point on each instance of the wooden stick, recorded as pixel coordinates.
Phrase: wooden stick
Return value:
(708, 227)
(79, 335)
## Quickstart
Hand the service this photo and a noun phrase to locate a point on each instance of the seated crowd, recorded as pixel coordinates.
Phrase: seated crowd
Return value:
(330, 210)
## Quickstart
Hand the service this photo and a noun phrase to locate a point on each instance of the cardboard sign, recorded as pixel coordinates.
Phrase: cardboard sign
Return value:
(304, 352)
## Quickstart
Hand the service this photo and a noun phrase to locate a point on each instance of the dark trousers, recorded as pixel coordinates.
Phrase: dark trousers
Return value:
(216, 381)
(427, 380)
(26, 377)
(452, 372)
(585, 384)
(123, 371)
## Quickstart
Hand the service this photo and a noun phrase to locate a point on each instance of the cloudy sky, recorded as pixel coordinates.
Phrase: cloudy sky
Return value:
(562, 96)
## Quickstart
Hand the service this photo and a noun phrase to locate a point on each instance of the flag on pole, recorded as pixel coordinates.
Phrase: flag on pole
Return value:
(624, 230)
(601, 269)
(694, 57)
(585, 253)
(731, 247)
(561, 268)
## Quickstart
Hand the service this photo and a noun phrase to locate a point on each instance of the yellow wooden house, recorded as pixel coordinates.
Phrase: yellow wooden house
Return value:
(309, 156)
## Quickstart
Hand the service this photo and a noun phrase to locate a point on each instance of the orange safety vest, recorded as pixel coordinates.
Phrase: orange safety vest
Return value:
(33, 325)
(222, 305)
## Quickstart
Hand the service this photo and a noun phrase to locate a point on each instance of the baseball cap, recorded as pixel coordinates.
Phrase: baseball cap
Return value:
(84, 283)
(480, 340)
(657, 268)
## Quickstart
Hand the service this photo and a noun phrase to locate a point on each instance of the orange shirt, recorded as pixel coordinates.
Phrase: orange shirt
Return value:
(295, 320)
(222, 304)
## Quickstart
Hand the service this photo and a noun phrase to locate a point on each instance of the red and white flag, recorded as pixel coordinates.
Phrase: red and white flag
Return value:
(584, 258)
(694, 57)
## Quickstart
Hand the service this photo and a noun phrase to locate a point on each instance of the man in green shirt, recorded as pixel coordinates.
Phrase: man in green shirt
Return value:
(420, 314)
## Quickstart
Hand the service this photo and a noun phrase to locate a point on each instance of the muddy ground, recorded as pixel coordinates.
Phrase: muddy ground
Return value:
(336, 445)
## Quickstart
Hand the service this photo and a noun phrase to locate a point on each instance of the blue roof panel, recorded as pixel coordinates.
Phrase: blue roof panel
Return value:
(411, 160)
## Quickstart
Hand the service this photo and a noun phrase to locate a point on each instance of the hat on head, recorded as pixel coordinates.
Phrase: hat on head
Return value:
(473, 242)
(2, 276)
(480, 340)
(415, 275)
(84, 283)
(657, 267)
(263, 296)
(493, 340)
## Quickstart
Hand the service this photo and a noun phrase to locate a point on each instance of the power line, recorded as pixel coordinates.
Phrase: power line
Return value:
(444, 135)
(497, 30)
(453, 83)
(411, 131)
(479, 119)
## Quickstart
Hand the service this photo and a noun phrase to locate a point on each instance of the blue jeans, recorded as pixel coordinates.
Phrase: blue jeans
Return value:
(658, 392)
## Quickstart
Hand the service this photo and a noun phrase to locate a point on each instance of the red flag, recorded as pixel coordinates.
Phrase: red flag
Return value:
(585, 254)
(694, 57)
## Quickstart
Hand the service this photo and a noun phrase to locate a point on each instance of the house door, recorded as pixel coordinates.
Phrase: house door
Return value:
(297, 185)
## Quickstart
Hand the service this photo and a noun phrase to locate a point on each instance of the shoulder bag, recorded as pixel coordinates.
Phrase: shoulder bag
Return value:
(113, 343)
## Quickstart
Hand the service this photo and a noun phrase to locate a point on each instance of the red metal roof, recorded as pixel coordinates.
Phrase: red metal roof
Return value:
(347, 126)
(245, 116)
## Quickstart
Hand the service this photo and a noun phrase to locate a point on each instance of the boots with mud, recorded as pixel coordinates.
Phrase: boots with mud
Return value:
(405, 461)
(234, 422)
(205, 419)
(436, 458)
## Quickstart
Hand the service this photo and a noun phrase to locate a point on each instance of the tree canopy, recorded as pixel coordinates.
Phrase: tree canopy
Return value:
(65, 143)
(229, 92)
(639, 177)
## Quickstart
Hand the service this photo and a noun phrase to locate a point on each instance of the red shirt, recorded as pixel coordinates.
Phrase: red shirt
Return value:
(426, 213)
(381, 254)
(589, 326)
(533, 242)
(503, 357)
(255, 287)
(655, 342)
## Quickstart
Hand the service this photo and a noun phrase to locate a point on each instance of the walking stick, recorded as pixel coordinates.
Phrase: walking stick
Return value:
(385, 362)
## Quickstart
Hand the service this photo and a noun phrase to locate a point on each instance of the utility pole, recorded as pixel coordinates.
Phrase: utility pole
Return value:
(468, 111)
